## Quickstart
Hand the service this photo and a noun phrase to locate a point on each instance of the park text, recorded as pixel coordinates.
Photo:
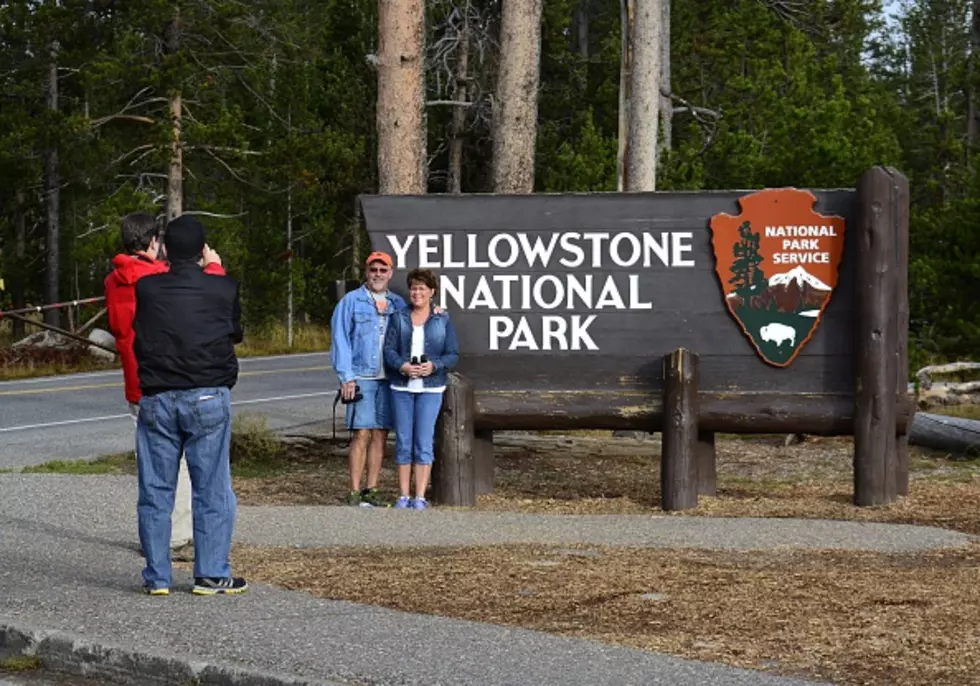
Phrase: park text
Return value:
(533, 273)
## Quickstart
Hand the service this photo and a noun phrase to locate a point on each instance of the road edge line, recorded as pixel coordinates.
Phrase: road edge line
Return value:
(67, 653)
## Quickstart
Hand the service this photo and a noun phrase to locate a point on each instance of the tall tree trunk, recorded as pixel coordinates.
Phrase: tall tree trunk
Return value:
(973, 107)
(18, 287)
(625, 33)
(582, 28)
(52, 187)
(515, 120)
(641, 165)
(175, 165)
(401, 97)
(666, 106)
(460, 92)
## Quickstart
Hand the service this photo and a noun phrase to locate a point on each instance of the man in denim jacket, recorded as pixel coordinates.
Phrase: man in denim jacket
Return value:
(358, 330)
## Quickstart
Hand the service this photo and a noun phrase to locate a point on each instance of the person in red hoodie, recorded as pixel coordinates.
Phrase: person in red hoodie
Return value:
(141, 240)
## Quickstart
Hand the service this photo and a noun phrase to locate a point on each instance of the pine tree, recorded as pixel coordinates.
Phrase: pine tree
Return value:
(746, 274)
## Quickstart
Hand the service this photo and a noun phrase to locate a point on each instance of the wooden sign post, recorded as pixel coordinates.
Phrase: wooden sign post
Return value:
(791, 301)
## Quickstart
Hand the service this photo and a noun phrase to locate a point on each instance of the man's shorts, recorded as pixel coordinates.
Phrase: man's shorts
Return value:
(373, 411)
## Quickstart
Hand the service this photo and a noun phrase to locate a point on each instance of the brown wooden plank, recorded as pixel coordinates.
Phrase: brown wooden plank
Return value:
(818, 414)
(745, 374)
(566, 212)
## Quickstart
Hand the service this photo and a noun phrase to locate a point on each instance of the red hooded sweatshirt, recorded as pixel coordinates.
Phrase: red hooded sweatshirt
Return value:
(120, 299)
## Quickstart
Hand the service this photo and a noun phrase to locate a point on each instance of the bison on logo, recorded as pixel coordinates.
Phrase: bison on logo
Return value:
(777, 263)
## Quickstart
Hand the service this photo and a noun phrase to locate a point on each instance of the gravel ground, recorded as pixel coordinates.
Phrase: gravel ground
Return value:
(67, 544)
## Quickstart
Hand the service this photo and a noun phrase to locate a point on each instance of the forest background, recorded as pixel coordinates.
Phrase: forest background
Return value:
(260, 118)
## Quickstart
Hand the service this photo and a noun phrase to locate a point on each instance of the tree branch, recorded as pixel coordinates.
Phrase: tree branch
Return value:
(96, 123)
(701, 115)
(95, 230)
(219, 148)
(131, 152)
(216, 215)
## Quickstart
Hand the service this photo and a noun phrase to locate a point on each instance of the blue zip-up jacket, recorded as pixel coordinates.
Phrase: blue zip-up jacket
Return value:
(441, 347)
(356, 328)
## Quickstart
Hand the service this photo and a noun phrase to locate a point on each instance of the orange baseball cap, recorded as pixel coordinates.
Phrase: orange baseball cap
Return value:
(378, 256)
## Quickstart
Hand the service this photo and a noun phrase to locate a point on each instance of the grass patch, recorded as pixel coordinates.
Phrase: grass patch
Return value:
(256, 450)
(271, 339)
(18, 364)
(121, 463)
(962, 411)
(20, 664)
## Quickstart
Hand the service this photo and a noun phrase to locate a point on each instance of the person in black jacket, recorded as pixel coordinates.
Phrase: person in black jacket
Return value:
(187, 324)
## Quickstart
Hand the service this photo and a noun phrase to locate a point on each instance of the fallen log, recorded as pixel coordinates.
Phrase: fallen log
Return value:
(926, 374)
(951, 434)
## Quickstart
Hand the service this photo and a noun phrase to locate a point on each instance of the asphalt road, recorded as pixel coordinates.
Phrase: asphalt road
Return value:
(44, 678)
(83, 416)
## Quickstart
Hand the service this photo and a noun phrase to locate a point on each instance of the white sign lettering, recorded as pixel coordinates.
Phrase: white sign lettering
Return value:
(546, 286)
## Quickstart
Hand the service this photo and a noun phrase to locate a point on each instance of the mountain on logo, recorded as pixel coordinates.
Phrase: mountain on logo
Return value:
(792, 292)
(801, 276)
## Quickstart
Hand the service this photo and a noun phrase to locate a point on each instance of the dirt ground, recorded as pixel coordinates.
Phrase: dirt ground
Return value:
(851, 618)
(597, 473)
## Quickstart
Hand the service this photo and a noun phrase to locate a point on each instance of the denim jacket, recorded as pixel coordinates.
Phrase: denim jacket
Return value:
(441, 347)
(356, 328)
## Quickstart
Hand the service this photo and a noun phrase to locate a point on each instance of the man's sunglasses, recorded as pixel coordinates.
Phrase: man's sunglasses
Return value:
(378, 270)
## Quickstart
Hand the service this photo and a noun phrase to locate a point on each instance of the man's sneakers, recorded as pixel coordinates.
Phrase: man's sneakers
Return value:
(205, 585)
(366, 497)
(371, 497)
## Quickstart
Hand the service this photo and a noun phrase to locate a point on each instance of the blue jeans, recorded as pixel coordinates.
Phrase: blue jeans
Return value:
(196, 422)
(415, 417)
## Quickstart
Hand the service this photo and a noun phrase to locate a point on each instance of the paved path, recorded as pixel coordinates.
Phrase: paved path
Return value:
(67, 542)
(79, 416)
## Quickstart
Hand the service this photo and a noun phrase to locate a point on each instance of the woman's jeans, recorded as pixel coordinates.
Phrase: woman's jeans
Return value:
(196, 422)
(415, 417)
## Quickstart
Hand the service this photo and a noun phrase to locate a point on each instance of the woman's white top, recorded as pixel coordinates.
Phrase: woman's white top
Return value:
(418, 348)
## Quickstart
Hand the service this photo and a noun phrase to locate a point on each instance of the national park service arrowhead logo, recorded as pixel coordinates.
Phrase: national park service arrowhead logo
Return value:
(777, 263)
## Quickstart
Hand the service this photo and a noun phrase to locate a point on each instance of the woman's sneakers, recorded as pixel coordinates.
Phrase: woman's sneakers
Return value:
(151, 590)
(205, 585)
(406, 503)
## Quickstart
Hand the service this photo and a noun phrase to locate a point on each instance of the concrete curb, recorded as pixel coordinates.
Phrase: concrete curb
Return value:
(68, 653)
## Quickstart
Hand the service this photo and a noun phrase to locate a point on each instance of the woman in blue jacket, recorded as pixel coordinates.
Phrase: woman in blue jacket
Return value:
(420, 348)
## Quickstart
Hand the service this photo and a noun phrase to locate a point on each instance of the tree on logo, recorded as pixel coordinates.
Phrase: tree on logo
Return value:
(747, 276)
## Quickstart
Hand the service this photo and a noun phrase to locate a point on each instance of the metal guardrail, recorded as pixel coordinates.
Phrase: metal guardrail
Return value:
(52, 306)
(18, 315)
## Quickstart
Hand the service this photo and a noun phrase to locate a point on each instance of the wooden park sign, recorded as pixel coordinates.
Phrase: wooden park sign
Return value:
(686, 313)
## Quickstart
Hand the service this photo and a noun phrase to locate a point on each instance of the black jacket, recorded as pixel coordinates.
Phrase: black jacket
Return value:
(187, 323)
